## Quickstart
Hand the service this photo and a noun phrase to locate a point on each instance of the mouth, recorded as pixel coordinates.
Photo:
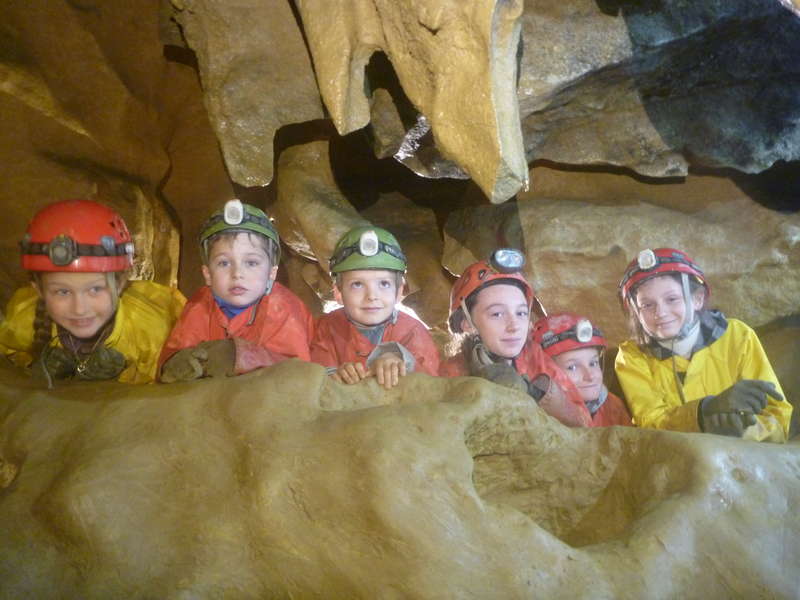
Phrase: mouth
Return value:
(82, 323)
(237, 291)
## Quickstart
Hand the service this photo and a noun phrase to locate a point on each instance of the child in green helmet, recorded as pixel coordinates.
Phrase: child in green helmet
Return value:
(368, 336)
(242, 318)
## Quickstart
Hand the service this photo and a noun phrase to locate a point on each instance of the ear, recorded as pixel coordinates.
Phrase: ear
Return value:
(401, 290)
(206, 274)
(699, 299)
(467, 326)
(337, 295)
(273, 273)
(37, 287)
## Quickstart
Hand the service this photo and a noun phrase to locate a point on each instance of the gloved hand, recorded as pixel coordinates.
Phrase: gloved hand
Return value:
(251, 356)
(477, 357)
(215, 358)
(504, 374)
(735, 409)
(552, 398)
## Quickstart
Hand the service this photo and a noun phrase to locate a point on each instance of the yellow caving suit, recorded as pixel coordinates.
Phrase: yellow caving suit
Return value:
(145, 315)
(731, 352)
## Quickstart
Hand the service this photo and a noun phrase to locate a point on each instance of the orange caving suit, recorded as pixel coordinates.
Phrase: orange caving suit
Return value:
(279, 322)
(612, 412)
(337, 341)
(533, 361)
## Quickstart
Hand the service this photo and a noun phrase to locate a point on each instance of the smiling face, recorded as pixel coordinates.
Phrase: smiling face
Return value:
(81, 303)
(502, 318)
(369, 296)
(583, 367)
(239, 269)
(661, 306)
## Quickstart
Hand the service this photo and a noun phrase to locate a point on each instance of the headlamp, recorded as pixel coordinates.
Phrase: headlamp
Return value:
(583, 331)
(233, 214)
(62, 250)
(647, 260)
(368, 244)
(507, 260)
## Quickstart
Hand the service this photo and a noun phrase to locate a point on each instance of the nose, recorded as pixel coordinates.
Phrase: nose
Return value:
(236, 271)
(513, 323)
(372, 292)
(587, 374)
(78, 304)
(661, 309)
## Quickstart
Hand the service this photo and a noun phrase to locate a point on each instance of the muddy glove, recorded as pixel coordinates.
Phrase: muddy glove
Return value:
(208, 359)
(735, 409)
(552, 398)
(504, 374)
(103, 363)
(56, 361)
(478, 358)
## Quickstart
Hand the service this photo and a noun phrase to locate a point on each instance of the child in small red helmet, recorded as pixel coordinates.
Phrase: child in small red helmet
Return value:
(81, 318)
(491, 303)
(689, 368)
(577, 347)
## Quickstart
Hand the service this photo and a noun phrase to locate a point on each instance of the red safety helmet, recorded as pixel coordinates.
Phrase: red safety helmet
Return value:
(562, 332)
(481, 273)
(77, 235)
(660, 261)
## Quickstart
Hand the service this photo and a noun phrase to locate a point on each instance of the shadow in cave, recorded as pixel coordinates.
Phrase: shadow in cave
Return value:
(707, 73)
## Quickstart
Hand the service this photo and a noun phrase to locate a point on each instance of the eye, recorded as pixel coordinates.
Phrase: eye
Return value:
(60, 292)
(522, 313)
(223, 262)
(253, 262)
(385, 284)
(356, 285)
(97, 289)
(674, 299)
(594, 363)
(572, 368)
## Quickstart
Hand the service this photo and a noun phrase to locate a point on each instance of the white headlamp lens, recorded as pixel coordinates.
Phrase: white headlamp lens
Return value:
(583, 331)
(234, 212)
(508, 260)
(647, 259)
(368, 244)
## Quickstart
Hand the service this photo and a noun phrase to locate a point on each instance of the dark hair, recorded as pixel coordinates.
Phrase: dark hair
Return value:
(470, 301)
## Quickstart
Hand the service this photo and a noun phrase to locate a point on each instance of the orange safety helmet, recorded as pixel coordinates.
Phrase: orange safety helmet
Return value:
(82, 236)
(660, 261)
(566, 331)
(482, 273)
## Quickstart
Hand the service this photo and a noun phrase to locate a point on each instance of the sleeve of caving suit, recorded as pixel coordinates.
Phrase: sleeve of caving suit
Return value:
(16, 330)
(773, 422)
(652, 404)
(418, 341)
(323, 347)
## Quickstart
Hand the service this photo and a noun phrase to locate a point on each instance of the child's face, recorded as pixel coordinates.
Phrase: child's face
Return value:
(582, 366)
(238, 269)
(81, 303)
(502, 318)
(368, 295)
(662, 310)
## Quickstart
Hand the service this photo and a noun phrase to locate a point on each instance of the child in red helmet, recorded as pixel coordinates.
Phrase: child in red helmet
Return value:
(689, 368)
(577, 347)
(81, 318)
(491, 303)
(242, 319)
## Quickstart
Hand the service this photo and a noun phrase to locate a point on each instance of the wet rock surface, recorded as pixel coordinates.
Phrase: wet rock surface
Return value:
(284, 483)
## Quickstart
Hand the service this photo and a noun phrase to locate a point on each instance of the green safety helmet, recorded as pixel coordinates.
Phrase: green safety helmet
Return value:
(237, 216)
(367, 248)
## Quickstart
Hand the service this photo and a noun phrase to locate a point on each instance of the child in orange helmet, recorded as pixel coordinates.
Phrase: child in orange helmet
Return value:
(491, 303)
(82, 318)
(242, 319)
(689, 368)
(577, 347)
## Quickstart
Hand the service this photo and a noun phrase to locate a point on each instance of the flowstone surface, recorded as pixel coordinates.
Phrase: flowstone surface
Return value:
(282, 483)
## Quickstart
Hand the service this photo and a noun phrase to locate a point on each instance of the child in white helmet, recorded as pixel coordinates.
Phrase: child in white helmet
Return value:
(577, 347)
(690, 368)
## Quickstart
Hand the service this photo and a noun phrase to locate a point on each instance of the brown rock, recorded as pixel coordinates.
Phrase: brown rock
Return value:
(456, 63)
(283, 482)
(256, 75)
